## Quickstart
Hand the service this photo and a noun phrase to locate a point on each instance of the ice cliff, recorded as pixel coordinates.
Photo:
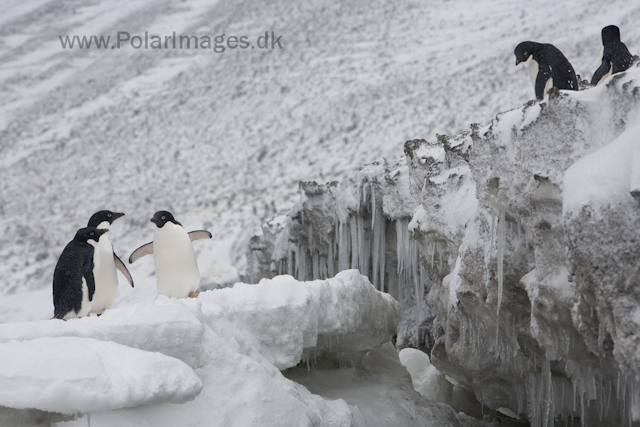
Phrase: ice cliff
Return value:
(514, 250)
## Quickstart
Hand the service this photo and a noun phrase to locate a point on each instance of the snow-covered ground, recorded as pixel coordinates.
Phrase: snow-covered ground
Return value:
(220, 357)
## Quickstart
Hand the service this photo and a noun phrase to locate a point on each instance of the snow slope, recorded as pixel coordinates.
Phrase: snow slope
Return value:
(222, 139)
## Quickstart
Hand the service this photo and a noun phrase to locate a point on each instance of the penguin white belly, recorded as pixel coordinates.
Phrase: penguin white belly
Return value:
(175, 261)
(533, 68)
(105, 276)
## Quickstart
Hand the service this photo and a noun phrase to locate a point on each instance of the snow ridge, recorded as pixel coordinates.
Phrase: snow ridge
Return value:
(232, 344)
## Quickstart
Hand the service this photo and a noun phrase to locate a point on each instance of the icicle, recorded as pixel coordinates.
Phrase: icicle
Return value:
(608, 401)
(373, 207)
(330, 260)
(501, 243)
(383, 248)
(547, 394)
(354, 241)
(419, 302)
(316, 267)
(400, 246)
(343, 248)
(375, 242)
(601, 334)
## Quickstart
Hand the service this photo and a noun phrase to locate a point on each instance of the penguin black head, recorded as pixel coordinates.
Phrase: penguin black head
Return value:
(610, 34)
(160, 218)
(103, 216)
(90, 233)
(523, 51)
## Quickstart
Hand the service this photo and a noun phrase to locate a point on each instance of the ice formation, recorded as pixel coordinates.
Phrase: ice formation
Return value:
(529, 329)
(290, 321)
(524, 234)
(359, 224)
(221, 357)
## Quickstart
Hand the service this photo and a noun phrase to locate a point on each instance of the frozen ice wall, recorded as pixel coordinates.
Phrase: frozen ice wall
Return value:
(361, 223)
(524, 236)
(536, 304)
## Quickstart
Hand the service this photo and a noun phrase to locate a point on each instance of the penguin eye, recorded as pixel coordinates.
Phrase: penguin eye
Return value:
(162, 217)
(91, 234)
(109, 215)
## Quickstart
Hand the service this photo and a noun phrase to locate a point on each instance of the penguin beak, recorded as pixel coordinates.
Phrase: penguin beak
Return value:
(117, 215)
(517, 62)
(102, 231)
(152, 220)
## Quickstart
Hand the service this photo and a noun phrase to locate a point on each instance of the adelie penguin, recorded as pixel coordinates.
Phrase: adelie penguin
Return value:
(548, 67)
(107, 262)
(615, 57)
(73, 277)
(177, 273)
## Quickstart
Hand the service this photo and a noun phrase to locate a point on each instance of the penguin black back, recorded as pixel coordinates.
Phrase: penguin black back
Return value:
(616, 58)
(551, 64)
(74, 264)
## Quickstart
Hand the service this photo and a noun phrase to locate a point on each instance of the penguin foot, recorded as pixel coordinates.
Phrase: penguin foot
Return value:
(193, 294)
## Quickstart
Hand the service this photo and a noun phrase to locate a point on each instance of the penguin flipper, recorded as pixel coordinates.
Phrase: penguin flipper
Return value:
(123, 269)
(88, 277)
(199, 234)
(602, 71)
(544, 74)
(140, 252)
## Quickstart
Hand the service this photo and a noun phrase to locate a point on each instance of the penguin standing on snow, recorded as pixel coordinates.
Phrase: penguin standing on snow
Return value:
(73, 280)
(615, 57)
(107, 261)
(177, 274)
(548, 67)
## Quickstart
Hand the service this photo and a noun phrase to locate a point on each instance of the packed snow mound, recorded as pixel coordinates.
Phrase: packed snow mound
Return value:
(80, 375)
(427, 380)
(234, 343)
(157, 326)
(608, 177)
(343, 315)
